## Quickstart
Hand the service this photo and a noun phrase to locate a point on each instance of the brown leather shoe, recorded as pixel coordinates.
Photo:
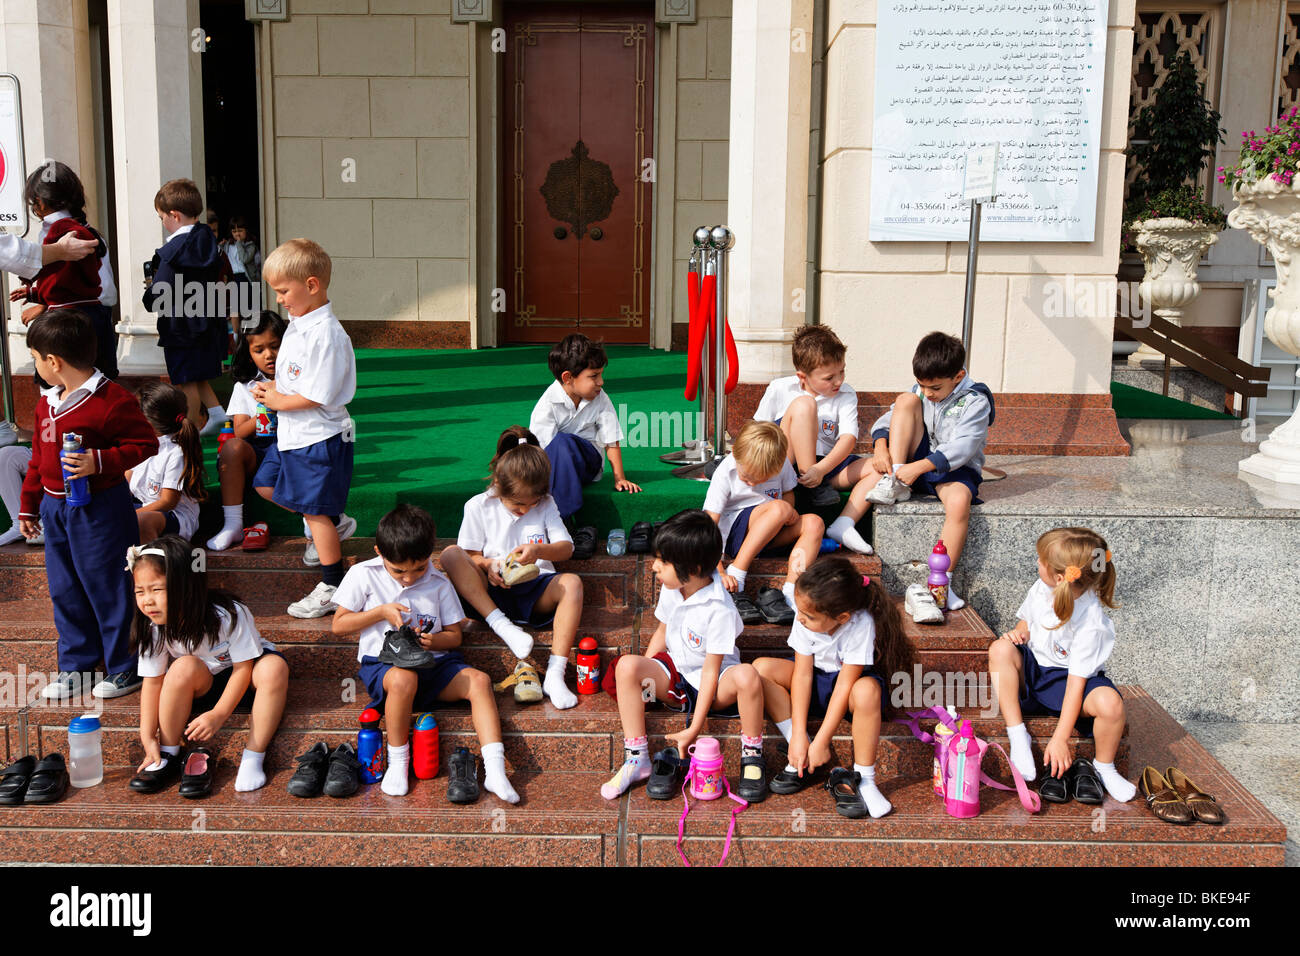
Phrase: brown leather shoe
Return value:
(1204, 807)
(1163, 800)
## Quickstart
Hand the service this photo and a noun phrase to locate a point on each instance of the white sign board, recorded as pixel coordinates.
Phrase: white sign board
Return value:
(13, 177)
(953, 76)
(981, 175)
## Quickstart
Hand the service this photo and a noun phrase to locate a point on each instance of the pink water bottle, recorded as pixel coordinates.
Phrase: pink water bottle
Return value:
(938, 580)
(707, 779)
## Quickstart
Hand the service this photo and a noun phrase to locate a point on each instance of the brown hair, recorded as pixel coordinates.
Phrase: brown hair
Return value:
(65, 333)
(520, 468)
(179, 195)
(760, 446)
(815, 346)
(1067, 550)
(298, 259)
(165, 407)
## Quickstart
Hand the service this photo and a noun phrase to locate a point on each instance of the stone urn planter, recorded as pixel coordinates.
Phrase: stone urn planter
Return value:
(1270, 212)
(1171, 250)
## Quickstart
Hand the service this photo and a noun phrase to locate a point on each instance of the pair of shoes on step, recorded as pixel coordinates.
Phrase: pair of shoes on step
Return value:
(194, 771)
(31, 781)
(336, 774)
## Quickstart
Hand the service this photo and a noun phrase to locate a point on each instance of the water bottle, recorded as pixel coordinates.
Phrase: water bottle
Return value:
(265, 419)
(588, 661)
(227, 433)
(85, 751)
(78, 489)
(938, 580)
(616, 543)
(424, 747)
(370, 747)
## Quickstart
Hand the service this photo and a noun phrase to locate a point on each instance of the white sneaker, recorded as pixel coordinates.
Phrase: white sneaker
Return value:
(317, 604)
(347, 527)
(920, 603)
(38, 540)
(64, 687)
(8, 434)
(889, 490)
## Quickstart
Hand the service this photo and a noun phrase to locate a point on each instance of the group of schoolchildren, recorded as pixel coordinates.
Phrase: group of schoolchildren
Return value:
(196, 651)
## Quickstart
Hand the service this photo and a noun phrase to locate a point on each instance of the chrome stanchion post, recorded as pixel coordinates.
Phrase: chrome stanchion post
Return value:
(722, 239)
(693, 450)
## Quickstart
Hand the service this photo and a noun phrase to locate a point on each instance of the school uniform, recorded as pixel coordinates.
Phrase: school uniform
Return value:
(574, 439)
(166, 470)
(310, 465)
(434, 605)
(704, 623)
(194, 343)
(1053, 654)
(242, 402)
(237, 641)
(837, 414)
(489, 528)
(854, 642)
(85, 547)
(734, 500)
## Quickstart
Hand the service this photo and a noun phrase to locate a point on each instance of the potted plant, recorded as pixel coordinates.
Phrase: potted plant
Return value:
(1167, 214)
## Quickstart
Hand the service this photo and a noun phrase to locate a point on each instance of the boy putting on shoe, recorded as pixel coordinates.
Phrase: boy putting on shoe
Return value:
(931, 441)
(409, 618)
(576, 424)
(818, 412)
(309, 468)
(751, 497)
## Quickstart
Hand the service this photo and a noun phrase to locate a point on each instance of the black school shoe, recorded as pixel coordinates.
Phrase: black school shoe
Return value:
(196, 776)
(1085, 782)
(1054, 789)
(308, 779)
(462, 782)
(14, 779)
(49, 780)
(152, 781)
(402, 649)
(584, 543)
(787, 782)
(665, 775)
(344, 777)
(773, 606)
(641, 539)
(749, 612)
(752, 785)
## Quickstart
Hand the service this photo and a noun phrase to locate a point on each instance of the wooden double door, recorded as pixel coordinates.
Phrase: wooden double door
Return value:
(578, 171)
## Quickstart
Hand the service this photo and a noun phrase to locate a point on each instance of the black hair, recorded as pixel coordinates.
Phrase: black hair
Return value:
(166, 409)
(242, 367)
(191, 605)
(938, 356)
(520, 468)
(405, 534)
(58, 187)
(691, 542)
(575, 354)
(65, 333)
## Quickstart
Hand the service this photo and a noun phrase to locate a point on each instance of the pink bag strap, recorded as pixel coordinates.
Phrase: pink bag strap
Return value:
(731, 827)
(1028, 799)
(938, 713)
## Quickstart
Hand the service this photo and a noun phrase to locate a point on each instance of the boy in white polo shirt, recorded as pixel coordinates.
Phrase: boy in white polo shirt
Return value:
(818, 412)
(309, 468)
(576, 424)
(401, 587)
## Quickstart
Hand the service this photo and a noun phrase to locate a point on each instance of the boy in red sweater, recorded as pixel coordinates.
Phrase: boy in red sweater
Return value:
(85, 547)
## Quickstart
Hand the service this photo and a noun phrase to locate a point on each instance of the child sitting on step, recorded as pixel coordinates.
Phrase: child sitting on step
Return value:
(1052, 661)
(698, 627)
(401, 587)
(505, 530)
(201, 654)
(168, 487)
(847, 640)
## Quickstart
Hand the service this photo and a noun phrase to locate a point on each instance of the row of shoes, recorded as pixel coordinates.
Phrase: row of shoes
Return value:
(195, 772)
(771, 606)
(1175, 799)
(337, 773)
(31, 781)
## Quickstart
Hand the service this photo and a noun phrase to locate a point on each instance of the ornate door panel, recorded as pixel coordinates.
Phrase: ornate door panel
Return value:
(578, 135)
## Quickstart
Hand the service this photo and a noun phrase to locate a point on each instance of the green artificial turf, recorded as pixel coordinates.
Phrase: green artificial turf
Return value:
(1130, 402)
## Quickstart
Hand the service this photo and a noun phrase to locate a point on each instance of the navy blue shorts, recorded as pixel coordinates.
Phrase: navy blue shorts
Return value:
(1043, 691)
(519, 603)
(848, 460)
(824, 686)
(192, 363)
(212, 695)
(432, 680)
(171, 524)
(927, 483)
(740, 528)
(312, 480)
(692, 695)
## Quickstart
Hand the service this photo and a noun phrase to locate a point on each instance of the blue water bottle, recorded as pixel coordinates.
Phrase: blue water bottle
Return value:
(78, 489)
(370, 747)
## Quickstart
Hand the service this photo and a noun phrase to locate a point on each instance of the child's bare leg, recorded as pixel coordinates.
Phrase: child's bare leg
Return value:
(563, 596)
(864, 703)
(235, 465)
(197, 413)
(635, 674)
(956, 499)
(805, 538)
(476, 687)
(471, 584)
(765, 522)
(1106, 708)
(741, 685)
(906, 426)
(1006, 672)
(207, 396)
(777, 675)
(800, 426)
(400, 686)
(326, 538)
(186, 679)
(151, 524)
(270, 681)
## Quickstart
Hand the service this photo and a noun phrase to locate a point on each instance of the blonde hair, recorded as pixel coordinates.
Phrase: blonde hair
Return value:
(1083, 559)
(760, 447)
(297, 259)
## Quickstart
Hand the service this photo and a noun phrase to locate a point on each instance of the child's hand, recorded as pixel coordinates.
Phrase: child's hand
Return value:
(818, 754)
(204, 726)
(797, 756)
(393, 614)
(812, 477)
(728, 581)
(682, 739)
(265, 393)
(1015, 636)
(80, 464)
(31, 312)
(908, 473)
(622, 484)
(881, 464)
(30, 527)
(426, 640)
(152, 753)
(20, 293)
(493, 570)
(525, 554)
(1056, 756)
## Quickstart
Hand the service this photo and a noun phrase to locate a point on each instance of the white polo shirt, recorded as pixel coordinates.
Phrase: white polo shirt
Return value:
(487, 527)
(235, 642)
(837, 414)
(593, 420)
(728, 496)
(316, 362)
(432, 600)
(854, 642)
(166, 470)
(705, 623)
(1082, 646)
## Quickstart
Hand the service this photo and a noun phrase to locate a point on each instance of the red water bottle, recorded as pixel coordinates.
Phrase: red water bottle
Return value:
(424, 747)
(227, 433)
(588, 666)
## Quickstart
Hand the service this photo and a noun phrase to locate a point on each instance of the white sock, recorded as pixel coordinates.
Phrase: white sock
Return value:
(216, 420)
(1021, 755)
(787, 591)
(251, 776)
(877, 804)
(785, 726)
(517, 639)
(494, 772)
(10, 536)
(843, 530)
(739, 575)
(954, 602)
(553, 683)
(232, 529)
(174, 751)
(1116, 786)
(395, 782)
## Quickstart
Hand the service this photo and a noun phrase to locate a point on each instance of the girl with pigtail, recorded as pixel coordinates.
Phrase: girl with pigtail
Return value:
(1052, 662)
(168, 487)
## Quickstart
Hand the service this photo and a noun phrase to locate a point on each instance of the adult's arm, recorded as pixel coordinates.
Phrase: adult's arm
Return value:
(26, 258)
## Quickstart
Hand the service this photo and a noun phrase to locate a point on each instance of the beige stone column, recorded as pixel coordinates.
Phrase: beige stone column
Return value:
(156, 84)
(767, 180)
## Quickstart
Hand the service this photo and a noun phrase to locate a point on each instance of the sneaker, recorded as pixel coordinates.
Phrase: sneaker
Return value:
(308, 779)
(118, 685)
(825, 496)
(36, 541)
(513, 572)
(346, 528)
(889, 490)
(402, 649)
(64, 687)
(920, 603)
(344, 778)
(317, 604)
(462, 777)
